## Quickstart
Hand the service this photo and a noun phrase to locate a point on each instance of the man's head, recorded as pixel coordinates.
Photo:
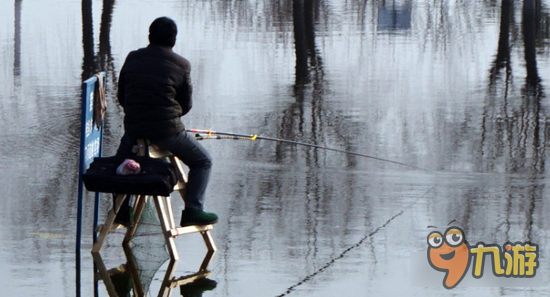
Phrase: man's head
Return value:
(163, 32)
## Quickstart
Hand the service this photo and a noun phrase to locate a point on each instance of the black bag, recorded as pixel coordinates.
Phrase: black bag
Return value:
(157, 177)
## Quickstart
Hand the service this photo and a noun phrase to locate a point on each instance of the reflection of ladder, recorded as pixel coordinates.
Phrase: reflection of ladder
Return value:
(163, 205)
(132, 270)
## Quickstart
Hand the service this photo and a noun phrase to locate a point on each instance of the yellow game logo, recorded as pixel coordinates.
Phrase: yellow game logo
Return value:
(450, 253)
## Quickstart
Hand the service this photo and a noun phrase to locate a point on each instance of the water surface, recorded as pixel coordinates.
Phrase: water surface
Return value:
(458, 89)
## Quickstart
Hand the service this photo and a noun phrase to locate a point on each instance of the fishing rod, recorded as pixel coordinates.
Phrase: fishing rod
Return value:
(210, 134)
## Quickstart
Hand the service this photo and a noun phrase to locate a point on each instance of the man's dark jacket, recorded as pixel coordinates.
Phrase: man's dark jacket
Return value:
(155, 91)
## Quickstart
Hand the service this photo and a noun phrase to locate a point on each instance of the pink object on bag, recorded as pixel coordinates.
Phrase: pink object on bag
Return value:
(128, 167)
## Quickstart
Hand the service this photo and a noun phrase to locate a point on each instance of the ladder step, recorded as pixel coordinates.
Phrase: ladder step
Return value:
(113, 227)
(190, 229)
(189, 278)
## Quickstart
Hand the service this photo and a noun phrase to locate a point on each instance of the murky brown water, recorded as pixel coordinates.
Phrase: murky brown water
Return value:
(456, 88)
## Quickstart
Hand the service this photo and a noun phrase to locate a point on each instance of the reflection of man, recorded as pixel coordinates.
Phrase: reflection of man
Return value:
(121, 279)
(196, 288)
(155, 91)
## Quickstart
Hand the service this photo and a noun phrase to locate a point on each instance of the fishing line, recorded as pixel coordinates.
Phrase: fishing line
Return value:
(352, 247)
(209, 134)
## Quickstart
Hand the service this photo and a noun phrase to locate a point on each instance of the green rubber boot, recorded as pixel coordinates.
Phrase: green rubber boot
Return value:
(190, 217)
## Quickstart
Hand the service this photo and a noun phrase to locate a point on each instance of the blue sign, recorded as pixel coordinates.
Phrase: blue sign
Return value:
(90, 135)
(91, 143)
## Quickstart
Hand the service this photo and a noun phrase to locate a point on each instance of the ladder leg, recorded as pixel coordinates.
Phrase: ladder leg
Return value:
(104, 274)
(166, 289)
(180, 172)
(170, 212)
(108, 223)
(141, 201)
(134, 272)
(165, 223)
(207, 260)
(209, 240)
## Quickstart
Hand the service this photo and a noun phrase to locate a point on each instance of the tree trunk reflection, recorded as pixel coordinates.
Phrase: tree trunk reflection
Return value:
(88, 65)
(105, 57)
(17, 39)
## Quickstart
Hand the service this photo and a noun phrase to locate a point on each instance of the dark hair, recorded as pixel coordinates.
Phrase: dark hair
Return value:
(163, 31)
